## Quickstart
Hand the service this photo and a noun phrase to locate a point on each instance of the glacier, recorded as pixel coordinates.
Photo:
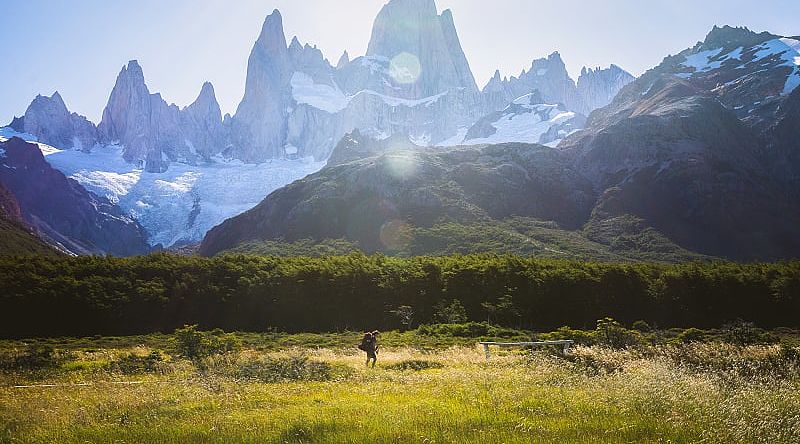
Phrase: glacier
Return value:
(180, 205)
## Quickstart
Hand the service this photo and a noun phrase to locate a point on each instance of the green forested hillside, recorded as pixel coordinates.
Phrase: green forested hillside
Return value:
(91, 295)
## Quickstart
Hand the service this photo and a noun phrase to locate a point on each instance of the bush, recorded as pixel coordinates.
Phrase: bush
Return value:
(32, 357)
(690, 335)
(134, 364)
(581, 337)
(740, 332)
(193, 344)
(292, 368)
(642, 326)
(415, 365)
(612, 334)
(468, 330)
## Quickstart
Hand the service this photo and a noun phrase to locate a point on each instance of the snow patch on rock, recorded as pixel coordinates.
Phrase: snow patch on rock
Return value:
(324, 97)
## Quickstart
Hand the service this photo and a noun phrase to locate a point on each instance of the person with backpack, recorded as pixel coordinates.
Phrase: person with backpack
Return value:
(369, 344)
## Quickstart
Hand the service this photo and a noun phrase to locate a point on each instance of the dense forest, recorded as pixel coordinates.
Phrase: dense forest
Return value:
(83, 296)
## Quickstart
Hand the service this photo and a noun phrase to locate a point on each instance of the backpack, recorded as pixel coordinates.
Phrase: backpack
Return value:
(364, 342)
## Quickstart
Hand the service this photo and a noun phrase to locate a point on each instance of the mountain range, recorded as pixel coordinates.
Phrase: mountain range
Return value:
(173, 169)
(695, 158)
(399, 151)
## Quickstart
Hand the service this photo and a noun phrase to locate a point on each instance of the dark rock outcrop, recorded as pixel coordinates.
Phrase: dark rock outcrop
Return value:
(63, 212)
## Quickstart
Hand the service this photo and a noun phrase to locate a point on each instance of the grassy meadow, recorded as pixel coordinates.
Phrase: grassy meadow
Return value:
(280, 388)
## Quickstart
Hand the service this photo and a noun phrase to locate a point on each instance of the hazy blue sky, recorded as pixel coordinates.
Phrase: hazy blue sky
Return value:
(77, 47)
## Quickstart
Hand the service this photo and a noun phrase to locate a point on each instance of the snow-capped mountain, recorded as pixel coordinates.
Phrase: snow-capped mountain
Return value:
(697, 155)
(51, 121)
(180, 171)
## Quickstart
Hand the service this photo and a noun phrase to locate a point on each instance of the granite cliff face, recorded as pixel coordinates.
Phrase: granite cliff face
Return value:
(154, 133)
(597, 87)
(48, 119)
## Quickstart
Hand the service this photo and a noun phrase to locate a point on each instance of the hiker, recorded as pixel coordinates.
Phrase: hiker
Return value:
(369, 344)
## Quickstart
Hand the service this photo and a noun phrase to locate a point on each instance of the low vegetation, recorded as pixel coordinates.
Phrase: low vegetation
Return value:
(737, 384)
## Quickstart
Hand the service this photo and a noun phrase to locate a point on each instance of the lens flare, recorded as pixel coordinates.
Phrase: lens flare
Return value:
(401, 165)
(396, 235)
(405, 68)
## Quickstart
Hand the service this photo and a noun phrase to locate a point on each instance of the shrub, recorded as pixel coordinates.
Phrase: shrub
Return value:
(642, 326)
(740, 332)
(581, 337)
(195, 345)
(135, 364)
(32, 357)
(468, 330)
(277, 369)
(415, 365)
(690, 335)
(611, 333)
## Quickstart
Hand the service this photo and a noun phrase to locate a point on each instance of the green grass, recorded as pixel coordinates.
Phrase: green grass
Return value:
(703, 392)
(15, 240)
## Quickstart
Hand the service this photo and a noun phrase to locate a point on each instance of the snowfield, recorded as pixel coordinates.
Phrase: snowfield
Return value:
(526, 123)
(332, 100)
(787, 51)
(183, 203)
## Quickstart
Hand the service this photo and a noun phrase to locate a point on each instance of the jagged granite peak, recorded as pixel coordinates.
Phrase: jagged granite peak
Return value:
(18, 124)
(344, 60)
(154, 133)
(729, 36)
(295, 46)
(272, 37)
(50, 121)
(548, 75)
(258, 129)
(136, 119)
(597, 87)
(456, 51)
(202, 124)
(414, 27)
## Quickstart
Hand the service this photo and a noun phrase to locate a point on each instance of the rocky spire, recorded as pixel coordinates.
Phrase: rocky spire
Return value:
(456, 51)
(201, 124)
(259, 125)
(344, 60)
(272, 38)
(50, 121)
(413, 27)
(598, 87)
(143, 123)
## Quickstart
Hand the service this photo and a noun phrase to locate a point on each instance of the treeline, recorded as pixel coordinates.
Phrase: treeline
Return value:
(86, 296)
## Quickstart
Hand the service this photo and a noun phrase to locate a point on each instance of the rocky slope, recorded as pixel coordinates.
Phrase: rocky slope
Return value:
(63, 212)
(16, 236)
(688, 148)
